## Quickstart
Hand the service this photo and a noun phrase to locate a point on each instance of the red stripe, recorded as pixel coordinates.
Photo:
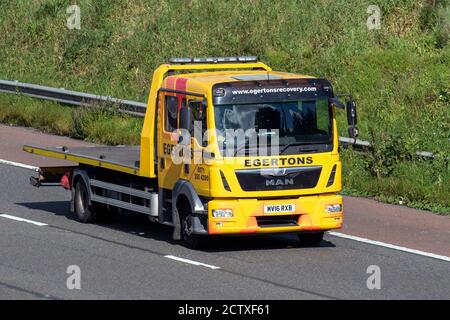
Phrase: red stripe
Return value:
(181, 84)
(170, 83)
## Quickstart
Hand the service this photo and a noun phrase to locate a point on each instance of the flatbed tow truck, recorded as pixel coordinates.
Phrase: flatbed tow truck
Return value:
(204, 166)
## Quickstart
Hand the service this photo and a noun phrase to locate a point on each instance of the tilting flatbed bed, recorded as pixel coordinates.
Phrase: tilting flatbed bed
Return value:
(121, 158)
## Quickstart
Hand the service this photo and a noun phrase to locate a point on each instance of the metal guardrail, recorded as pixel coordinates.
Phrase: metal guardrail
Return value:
(367, 144)
(126, 106)
(72, 97)
(355, 142)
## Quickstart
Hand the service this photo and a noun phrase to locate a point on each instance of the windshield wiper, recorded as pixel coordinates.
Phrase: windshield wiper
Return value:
(241, 147)
(286, 146)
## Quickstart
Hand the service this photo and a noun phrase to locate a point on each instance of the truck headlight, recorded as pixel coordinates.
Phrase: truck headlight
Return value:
(332, 208)
(222, 213)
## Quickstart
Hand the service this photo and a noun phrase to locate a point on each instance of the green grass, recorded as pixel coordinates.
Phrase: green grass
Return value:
(399, 75)
(95, 125)
(420, 184)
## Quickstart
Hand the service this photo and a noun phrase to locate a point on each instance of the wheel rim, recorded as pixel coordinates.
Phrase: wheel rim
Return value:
(81, 200)
(187, 226)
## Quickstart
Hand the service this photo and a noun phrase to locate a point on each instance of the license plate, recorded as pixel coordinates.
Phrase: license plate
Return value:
(279, 208)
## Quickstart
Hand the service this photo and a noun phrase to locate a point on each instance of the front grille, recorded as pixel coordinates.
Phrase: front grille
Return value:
(278, 221)
(279, 178)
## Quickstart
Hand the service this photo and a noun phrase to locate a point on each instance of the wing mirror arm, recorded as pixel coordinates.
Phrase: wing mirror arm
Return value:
(337, 103)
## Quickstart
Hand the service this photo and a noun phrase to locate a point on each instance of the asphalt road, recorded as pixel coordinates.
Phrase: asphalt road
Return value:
(127, 259)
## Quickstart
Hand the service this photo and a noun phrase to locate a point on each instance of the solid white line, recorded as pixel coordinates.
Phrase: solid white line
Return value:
(20, 165)
(196, 263)
(390, 246)
(7, 216)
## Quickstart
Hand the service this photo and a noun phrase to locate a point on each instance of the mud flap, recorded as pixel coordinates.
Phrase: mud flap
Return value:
(200, 223)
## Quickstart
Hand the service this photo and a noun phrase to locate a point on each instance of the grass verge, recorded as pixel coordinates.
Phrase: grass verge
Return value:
(94, 125)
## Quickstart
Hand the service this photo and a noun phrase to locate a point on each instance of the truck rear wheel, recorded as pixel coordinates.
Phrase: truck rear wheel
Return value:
(311, 239)
(83, 210)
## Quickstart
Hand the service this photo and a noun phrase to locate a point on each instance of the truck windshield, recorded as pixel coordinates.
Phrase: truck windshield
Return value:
(288, 124)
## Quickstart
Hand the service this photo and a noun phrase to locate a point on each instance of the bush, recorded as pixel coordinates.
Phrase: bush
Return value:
(388, 150)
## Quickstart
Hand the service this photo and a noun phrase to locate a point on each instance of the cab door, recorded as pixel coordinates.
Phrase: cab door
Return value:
(169, 171)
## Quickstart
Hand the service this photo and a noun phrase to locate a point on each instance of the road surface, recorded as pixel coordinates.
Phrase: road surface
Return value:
(132, 258)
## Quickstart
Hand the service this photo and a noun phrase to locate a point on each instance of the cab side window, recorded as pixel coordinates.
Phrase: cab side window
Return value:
(199, 124)
(170, 113)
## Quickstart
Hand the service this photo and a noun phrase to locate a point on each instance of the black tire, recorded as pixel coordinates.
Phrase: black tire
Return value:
(311, 239)
(84, 212)
(189, 239)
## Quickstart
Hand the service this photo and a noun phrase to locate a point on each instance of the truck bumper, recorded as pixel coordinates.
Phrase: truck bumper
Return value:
(249, 216)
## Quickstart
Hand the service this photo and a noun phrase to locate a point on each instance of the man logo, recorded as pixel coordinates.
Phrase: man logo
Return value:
(274, 172)
(279, 182)
(279, 172)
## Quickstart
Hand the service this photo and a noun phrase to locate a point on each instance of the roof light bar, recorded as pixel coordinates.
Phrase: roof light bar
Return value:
(241, 59)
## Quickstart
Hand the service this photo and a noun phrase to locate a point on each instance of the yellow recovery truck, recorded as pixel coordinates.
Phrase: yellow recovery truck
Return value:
(228, 147)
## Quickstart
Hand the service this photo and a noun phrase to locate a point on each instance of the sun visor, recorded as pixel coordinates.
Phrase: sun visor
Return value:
(244, 92)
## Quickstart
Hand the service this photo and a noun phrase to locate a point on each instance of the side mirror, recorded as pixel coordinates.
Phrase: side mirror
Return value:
(185, 126)
(352, 118)
(204, 106)
(351, 113)
(185, 119)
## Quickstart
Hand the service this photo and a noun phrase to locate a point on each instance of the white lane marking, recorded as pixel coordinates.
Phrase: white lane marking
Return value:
(20, 165)
(196, 263)
(390, 246)
(7, 216)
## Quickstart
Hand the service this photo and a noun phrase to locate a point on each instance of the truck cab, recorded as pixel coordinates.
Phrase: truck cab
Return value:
(259, 153)
(231, 147)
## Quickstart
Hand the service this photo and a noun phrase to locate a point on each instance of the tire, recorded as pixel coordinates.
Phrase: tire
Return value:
(311, 239)
(190, 240)
(84, 212)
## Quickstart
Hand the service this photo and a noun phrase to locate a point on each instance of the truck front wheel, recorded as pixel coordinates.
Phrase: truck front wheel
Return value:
(83, 210)
(191, 240)
(311, 239)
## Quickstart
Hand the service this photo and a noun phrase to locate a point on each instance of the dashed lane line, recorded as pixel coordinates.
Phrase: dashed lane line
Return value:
(7, 216)
(388, 245)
